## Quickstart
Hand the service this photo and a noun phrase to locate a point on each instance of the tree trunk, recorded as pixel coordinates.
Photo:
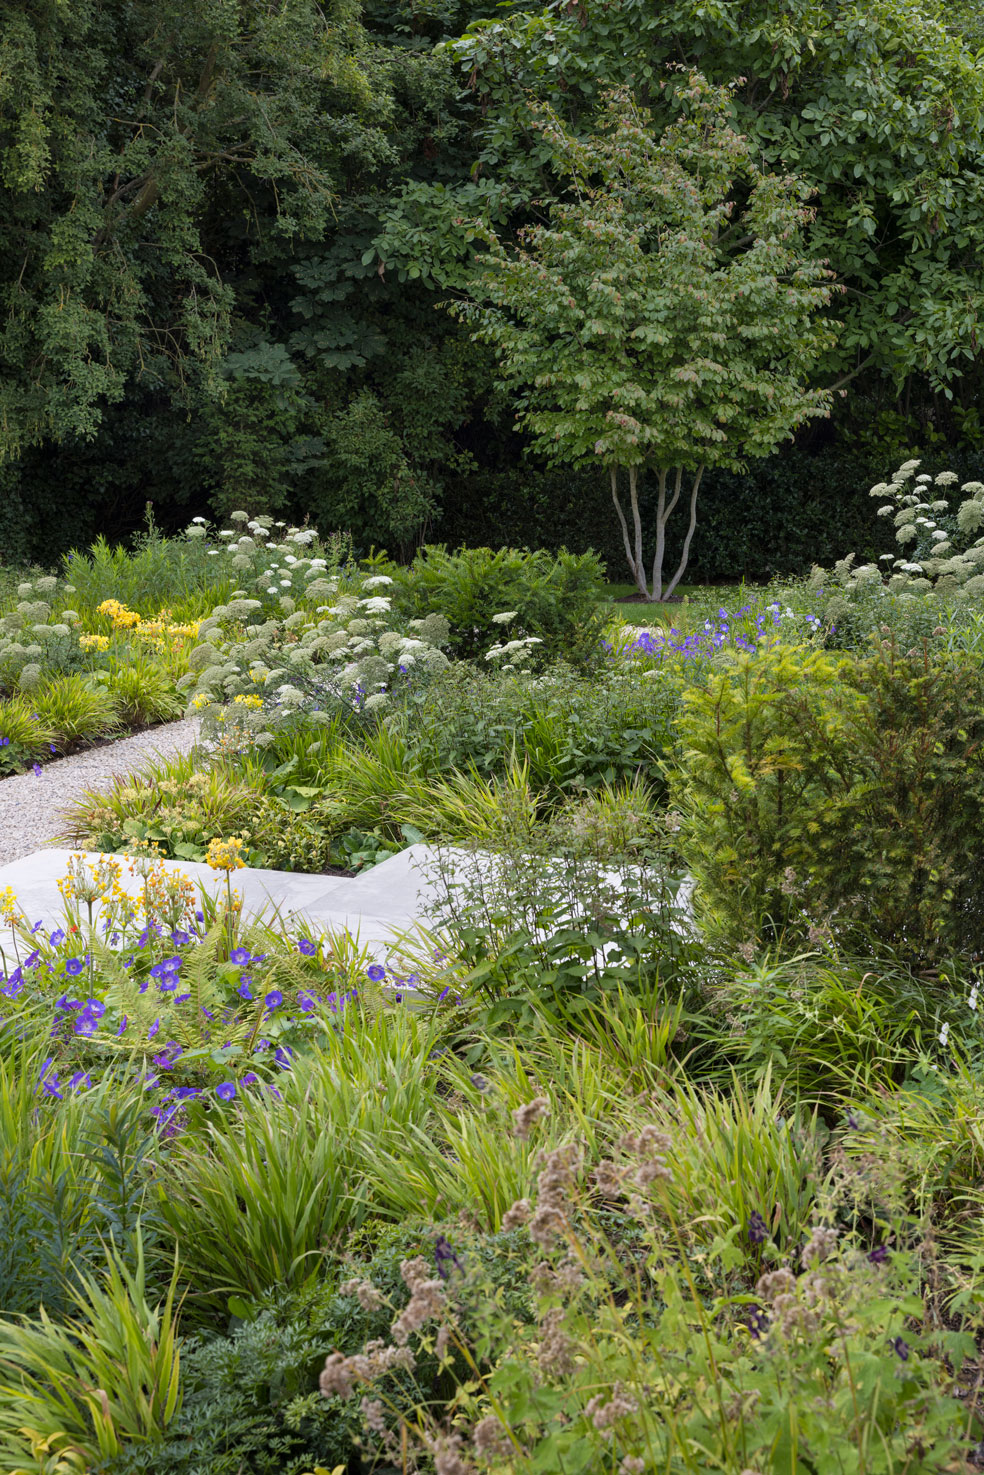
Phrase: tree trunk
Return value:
(632, 541)
(638, 573)
(662, 518)
(684, 556)
(637, 526)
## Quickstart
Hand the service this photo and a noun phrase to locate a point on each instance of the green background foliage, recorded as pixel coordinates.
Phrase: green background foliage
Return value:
(226, 235)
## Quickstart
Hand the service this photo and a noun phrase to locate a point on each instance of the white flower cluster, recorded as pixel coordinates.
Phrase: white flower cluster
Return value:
(30, 640)
(937, 534)
(256, 665)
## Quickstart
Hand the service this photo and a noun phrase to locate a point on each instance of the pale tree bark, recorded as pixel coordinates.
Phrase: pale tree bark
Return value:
(635, 564)
(637, 525)
(662, 517)
(633, 541)
(684, 556)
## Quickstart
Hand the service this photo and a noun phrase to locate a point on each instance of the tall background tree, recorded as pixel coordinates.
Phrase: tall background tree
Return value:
(253, 317)
(651, 323)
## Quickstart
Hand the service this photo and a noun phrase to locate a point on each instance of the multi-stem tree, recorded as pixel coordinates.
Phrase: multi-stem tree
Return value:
(665, 317)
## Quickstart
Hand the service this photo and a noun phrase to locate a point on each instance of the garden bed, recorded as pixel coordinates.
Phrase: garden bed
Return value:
(619, 1126)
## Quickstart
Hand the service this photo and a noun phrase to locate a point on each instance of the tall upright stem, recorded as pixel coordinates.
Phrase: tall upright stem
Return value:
(690, 532)
(637, 525)
(636, 567)
(661, 534)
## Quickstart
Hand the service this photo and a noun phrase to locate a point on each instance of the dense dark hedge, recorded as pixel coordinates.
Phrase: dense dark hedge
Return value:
(799, 507)
(789, 512)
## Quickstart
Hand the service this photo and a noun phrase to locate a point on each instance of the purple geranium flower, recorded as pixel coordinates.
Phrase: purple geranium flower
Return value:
(376, 973)
(239, 956)
(274, 999)
(306, 946)
(56, 937)
(226, 1090)
(445, 1258)
(758, 1232)
(73, 967)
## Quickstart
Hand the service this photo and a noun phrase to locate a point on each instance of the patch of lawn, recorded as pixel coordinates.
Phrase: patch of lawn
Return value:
(670, 615)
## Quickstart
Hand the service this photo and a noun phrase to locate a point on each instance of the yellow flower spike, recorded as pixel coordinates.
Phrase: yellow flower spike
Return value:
(10, 912)
(225, 855)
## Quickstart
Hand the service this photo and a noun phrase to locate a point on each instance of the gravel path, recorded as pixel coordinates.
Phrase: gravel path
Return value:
(30, 805)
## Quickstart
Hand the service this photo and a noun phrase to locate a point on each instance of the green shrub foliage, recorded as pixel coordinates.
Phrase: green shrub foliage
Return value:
(554, 598)
(846, 792)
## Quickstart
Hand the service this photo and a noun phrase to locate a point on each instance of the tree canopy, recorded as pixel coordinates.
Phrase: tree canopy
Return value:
(226, 228)
(130, 136)
(655, 321)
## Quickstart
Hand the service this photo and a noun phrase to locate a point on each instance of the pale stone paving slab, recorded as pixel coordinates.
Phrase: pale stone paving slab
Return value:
(375, 910)
(380, 909)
